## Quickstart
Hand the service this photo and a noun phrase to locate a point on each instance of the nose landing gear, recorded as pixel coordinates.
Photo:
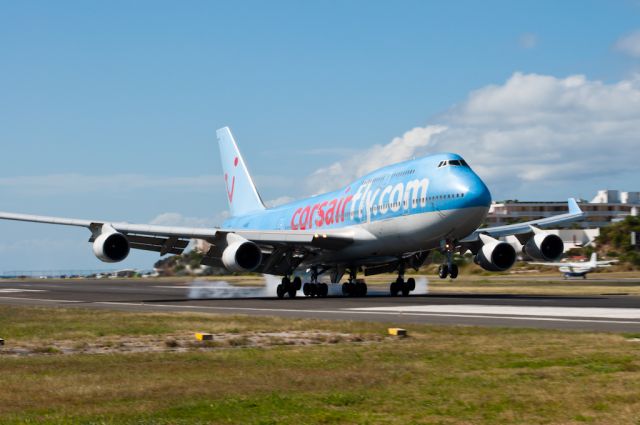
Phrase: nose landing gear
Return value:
(450, 268)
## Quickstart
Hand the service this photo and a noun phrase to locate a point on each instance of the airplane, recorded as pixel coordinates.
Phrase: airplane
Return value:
(579, 269)
(387, 221)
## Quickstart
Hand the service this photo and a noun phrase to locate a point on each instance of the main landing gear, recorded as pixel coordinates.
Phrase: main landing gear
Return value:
(400, 286)
(450, 268)
(313, 288)
(288, 287)
(354, 287)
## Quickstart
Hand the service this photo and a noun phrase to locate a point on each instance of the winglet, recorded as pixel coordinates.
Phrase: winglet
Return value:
(574, 208)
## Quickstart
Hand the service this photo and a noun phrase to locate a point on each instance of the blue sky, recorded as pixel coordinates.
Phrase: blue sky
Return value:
(109, 110)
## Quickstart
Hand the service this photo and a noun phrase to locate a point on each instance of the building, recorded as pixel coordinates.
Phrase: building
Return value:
(606, 207)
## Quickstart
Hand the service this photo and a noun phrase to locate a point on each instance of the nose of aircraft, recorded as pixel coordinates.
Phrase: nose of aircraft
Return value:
(478, 194)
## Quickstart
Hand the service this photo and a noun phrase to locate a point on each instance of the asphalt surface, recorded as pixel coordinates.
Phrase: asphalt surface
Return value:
(616, 313)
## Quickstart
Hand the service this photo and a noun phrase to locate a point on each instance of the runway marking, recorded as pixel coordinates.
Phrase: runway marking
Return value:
(41, 299)
(544, 311)
(359, 311)
(16, 290)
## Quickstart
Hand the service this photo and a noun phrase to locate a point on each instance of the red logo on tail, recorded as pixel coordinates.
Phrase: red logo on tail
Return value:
(233, 181)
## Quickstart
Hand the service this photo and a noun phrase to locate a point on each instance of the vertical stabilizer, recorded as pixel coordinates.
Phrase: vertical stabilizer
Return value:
(241, 191)
(594, 259)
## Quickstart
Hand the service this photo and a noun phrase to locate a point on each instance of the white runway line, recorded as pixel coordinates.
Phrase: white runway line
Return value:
(16, 290)
(41, 300)
(592, 312)
(364, 311)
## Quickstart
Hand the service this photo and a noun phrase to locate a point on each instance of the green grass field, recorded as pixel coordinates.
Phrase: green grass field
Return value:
(447, 375)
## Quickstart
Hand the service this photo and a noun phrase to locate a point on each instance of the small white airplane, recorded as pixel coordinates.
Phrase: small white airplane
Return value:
(581, 268)
(386, 221)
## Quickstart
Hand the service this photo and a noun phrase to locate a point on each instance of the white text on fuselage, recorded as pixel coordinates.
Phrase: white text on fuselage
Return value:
(366, 202)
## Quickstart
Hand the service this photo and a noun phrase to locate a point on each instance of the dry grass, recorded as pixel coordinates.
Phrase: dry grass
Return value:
(449, 375)
(527, 284)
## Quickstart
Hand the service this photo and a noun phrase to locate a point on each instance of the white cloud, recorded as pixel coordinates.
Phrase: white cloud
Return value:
(399, 149)
(533, 132)
(278, 201)
(629, 44)
(56, 184)
(177, 219)
(82, 183)
(528, 40)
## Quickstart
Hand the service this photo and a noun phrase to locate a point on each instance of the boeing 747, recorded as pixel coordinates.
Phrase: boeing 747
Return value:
(387, 221)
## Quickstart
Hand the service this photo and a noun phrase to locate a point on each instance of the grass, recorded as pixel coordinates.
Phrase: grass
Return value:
(447, 375)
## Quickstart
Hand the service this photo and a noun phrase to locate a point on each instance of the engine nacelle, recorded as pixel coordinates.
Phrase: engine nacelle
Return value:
(241, 255)
(496, 256)
(544, 247)
(111, 247)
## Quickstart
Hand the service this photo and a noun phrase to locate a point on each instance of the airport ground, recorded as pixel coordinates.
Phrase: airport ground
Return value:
(123, 351)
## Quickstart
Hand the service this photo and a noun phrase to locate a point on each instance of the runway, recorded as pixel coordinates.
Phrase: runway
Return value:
(616, 313)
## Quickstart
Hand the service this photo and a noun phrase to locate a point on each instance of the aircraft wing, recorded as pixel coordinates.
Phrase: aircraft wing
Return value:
(574, 214)
(173, 240)
(550, 264)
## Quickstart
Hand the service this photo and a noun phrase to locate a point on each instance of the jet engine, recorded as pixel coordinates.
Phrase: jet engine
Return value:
(544, 247)
(111, 247)
(241, 255)
(495, 256)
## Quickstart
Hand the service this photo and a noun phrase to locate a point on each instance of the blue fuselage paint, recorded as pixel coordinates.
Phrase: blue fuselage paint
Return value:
(404, 189)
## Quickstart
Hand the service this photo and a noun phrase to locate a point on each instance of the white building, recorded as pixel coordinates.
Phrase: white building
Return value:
(606, 207)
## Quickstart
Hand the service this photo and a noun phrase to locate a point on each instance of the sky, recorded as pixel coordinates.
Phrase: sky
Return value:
(108, 110)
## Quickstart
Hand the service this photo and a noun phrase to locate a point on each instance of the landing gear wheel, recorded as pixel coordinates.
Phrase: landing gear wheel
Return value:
(323, 290)
(396, 286)
(359, 289)
(443, 271)
(297, 283)
(306, 289)
(405, 290)
(411, 283)
(280, 291)
(453, 272)
(292, 291)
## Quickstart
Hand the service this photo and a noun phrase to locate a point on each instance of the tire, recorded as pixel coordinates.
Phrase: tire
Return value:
(297, 283)
(348, 289)
(292, 292)
(411, 284)
(405, 290)
(306, 289)
(280, 291)
(393, 289)
(323, 290)
(443, 271)
(453, 273)
(313, 289)
(363, 290)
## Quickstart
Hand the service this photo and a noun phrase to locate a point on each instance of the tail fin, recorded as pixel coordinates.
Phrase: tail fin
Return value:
(594, 258)
(241, 191)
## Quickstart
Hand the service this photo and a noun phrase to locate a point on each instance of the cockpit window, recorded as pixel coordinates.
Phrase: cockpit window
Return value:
(454, 162)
